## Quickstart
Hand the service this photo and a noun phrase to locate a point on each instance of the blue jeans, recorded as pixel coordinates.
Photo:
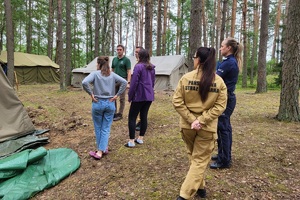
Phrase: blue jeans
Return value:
(225, 132)
(103, 114)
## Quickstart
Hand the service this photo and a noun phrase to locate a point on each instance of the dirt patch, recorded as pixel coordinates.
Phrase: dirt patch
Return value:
(265, 151)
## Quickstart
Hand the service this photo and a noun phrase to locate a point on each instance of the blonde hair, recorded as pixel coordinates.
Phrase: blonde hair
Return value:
(237, 49)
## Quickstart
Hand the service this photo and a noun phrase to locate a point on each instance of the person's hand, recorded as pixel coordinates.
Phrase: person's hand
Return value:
(128, 86)
(93, 98)
(196, 125)
(114, 98)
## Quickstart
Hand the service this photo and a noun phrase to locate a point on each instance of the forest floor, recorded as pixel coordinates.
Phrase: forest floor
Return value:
(265, 151)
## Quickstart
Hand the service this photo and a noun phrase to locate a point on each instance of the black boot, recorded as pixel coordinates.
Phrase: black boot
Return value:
(201, 193)
(180, 198)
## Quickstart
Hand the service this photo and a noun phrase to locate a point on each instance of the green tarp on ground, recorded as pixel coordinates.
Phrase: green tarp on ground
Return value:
(24, 174)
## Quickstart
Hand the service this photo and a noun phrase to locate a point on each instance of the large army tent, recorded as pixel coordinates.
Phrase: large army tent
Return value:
(32, 68)
(17, 131)
(14, 120)
(169, 69)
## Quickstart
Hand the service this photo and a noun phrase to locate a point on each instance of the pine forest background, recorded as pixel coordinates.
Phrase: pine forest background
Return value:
(73, 32)
(97, 26)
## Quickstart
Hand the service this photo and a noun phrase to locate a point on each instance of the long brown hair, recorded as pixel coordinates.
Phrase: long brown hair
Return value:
(237, 49)
(144, 57)
(104, 65)
(207, 64)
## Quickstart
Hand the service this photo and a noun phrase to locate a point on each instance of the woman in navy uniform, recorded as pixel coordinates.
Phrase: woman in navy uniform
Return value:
(229, 71)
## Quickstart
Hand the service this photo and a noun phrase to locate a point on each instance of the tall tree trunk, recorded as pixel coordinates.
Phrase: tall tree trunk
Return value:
(97, 28)
(148, 26)
(233, 18)
(222, 33)
(195, 29)
(218, 25)
(141, 22)
(137, 24)
(262, 55)
(105, 35)
(50, 30)
(9, 42)
(289, 96)
(204, 21)
(113, 25)
(214, 40)
(120, 22)
(2, 25)
(276, 30)
(29, 28)
(68, 43)
(178, 31)
(159, 28)
(244, 81)
(255, 39)
(87, 22)
(284, 30)
(164, 34)
(75, 48)
(60, 50)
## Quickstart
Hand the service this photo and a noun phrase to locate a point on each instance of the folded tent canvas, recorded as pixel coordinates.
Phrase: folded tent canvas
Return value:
(168, 71)
(31, 68)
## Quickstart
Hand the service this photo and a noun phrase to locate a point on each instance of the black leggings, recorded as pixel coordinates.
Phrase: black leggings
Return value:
(136, 108)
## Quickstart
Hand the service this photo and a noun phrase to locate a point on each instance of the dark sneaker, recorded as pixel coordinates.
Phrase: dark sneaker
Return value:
(201, 193)
(117, 117)
(214, 157)
(217, 165)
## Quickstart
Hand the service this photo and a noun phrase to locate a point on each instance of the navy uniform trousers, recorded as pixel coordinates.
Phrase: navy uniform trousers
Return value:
(225, 132)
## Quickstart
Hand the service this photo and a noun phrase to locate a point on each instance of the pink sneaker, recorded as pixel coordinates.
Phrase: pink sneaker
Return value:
(94, 155)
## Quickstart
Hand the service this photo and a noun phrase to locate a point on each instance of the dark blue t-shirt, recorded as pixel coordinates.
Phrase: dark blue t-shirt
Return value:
(229, 71)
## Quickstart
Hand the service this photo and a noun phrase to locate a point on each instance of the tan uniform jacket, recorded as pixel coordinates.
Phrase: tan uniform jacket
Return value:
(188, 104)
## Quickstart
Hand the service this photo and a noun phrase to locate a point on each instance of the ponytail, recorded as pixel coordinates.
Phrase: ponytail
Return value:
(207, 64)
(237, 49)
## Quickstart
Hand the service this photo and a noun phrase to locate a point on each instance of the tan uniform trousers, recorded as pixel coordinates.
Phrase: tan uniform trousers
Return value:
(200, 145)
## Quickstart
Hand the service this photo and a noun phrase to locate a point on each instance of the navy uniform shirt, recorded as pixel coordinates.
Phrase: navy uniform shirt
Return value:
(229, 71)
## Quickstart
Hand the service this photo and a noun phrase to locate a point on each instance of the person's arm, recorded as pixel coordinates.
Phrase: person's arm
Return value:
(128, 68)
(86, 85)
(223, 68)
(179, 104)
(153, 77)
(128, 76)
(218, 108)
(134, 82)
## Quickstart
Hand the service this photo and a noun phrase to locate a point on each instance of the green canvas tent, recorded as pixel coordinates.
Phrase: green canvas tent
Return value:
(14, 120)
(32, 68)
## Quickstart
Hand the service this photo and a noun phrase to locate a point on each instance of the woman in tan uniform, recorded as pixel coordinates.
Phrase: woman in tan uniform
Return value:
(200, 98)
